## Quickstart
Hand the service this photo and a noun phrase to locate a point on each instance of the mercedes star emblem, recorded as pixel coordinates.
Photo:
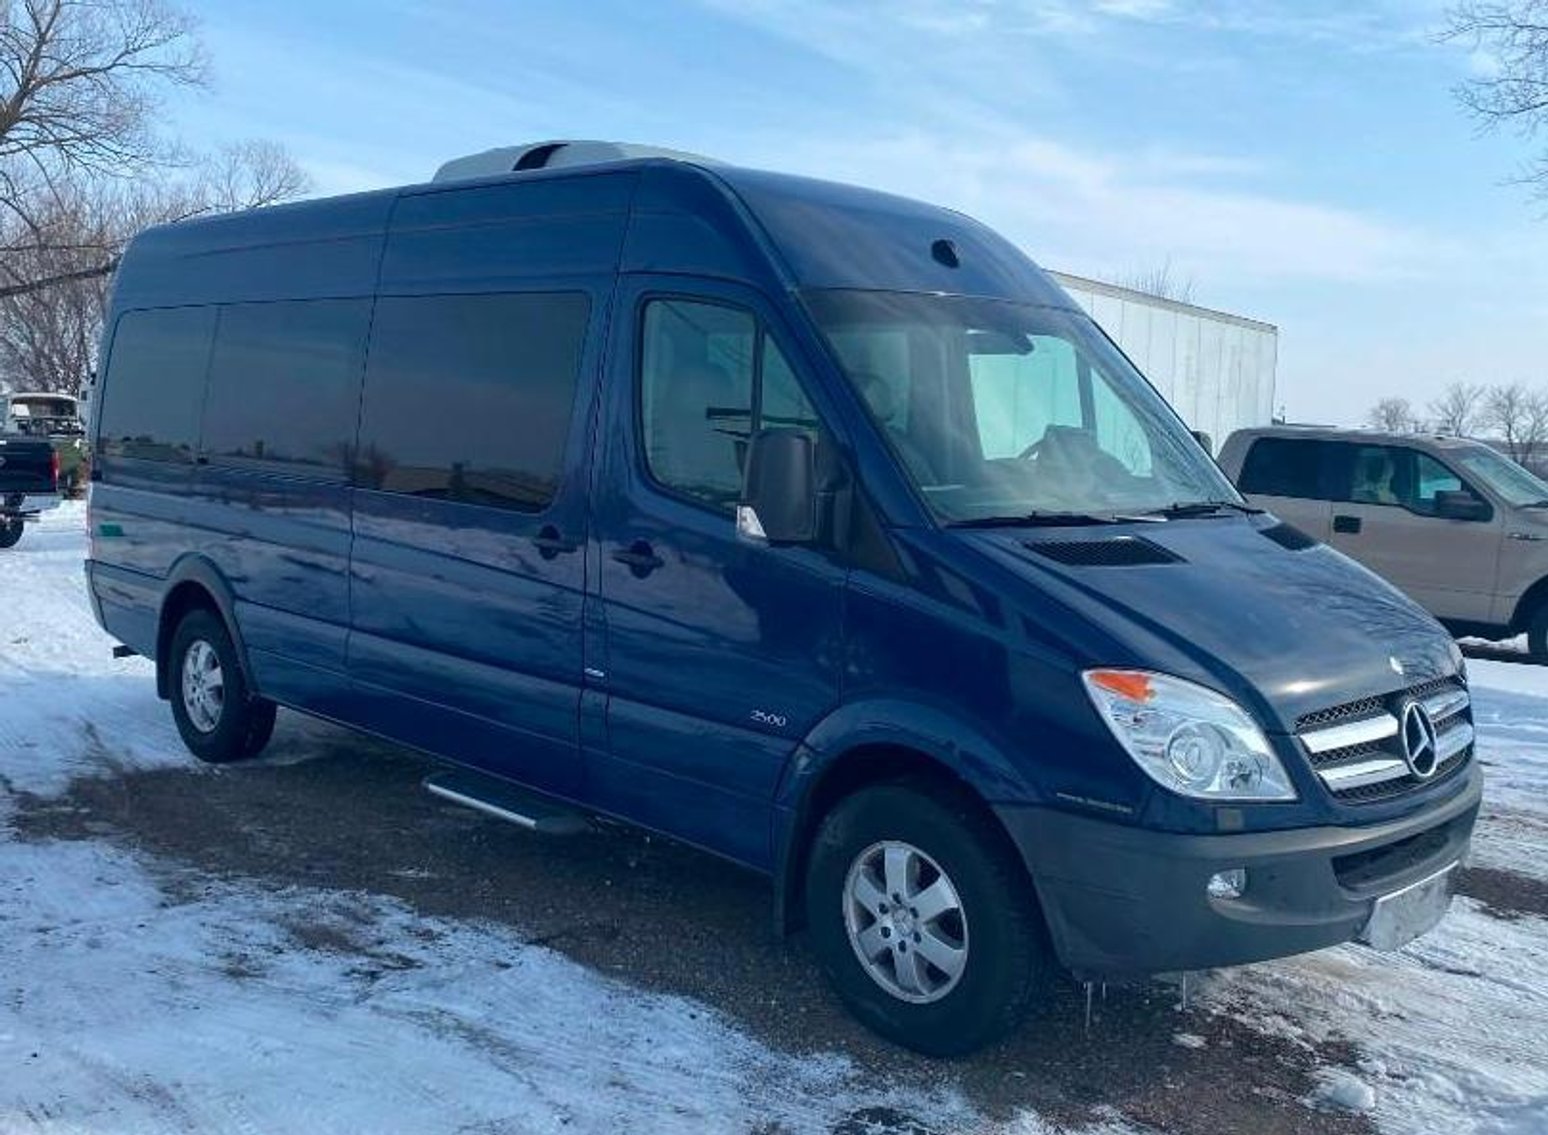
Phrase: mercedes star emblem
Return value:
(1419, 740)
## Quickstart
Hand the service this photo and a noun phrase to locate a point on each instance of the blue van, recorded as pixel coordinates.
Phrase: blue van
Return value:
(808, 525)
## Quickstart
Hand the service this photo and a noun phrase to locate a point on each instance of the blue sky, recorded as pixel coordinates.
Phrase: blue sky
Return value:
(1303, 161)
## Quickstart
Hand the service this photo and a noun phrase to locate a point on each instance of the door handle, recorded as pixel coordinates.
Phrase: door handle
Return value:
(640, 558)
(550, 543)
(1346, 524)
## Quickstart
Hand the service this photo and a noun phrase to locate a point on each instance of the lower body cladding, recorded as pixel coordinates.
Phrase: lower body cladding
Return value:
(1123, 901)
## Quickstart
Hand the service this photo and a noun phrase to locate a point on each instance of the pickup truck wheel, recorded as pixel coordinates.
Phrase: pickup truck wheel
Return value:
(1537, 634)
(10, 532)
(927, 929)
(218, 716)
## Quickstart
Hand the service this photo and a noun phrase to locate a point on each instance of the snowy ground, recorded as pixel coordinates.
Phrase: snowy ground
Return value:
(141, 991)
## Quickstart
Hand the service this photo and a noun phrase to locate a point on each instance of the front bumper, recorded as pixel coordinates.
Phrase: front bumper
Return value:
(1123, 901)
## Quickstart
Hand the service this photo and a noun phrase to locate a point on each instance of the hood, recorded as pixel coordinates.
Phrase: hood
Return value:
(1283, 624)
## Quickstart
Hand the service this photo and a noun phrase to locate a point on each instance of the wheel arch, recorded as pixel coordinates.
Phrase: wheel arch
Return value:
(193, 583)
(882, 743)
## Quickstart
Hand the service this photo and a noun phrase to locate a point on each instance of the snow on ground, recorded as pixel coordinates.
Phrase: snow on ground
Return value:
(1510, 706)
(126, 1007)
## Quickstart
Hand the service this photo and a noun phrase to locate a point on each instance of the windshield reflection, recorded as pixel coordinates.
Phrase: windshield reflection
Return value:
(1005, 411)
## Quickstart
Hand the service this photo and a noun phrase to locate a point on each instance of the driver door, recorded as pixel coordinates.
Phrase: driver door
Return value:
(720, 652)
(1387, 520)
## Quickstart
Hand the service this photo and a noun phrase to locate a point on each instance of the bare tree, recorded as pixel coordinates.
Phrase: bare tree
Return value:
(1518, 415)
(53, 290)
(1393, 415)
(1457, 410)
(80, 83)
(1160, 281)
(250, 175)
(1514, 36)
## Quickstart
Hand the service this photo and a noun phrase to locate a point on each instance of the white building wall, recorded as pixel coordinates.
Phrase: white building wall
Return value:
(1217, 370)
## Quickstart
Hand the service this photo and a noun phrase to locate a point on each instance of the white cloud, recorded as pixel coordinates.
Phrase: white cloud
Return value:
(1087, 210)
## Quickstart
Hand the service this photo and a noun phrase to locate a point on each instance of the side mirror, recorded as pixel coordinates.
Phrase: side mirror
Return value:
(779, 504)
(1459, 504)
(1205, 440)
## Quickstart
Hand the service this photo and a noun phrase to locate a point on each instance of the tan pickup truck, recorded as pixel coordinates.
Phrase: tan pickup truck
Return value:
(1456, 524)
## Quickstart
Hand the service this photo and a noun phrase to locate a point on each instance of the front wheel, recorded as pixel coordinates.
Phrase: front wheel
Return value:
(218, 716)
(1537, 634)
(926, 927)
(10, 532)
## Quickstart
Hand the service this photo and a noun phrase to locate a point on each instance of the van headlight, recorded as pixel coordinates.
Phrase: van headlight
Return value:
(1188, 738)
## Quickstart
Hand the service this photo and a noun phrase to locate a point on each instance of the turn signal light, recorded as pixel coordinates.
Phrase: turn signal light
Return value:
(1129, 684)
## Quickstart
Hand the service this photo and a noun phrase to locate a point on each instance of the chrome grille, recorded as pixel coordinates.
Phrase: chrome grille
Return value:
(1357, 748)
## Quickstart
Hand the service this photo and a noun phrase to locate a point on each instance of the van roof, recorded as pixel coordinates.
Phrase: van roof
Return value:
(649, 214)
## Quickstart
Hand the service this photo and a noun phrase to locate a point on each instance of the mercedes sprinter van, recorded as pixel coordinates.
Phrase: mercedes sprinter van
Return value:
(811, 526)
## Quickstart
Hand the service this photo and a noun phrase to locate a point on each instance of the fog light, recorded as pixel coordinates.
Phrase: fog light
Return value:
(1228, 884)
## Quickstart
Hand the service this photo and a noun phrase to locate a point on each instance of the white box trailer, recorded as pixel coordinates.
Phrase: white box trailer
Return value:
(1217, 370)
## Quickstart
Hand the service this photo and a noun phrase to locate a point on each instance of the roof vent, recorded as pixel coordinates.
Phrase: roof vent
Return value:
(1116, 551)
(552, 155)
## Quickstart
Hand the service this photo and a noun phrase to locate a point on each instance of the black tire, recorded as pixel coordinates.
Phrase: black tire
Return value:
(1008, 962)
(1537, 634)
(10, 532)
(242, 722)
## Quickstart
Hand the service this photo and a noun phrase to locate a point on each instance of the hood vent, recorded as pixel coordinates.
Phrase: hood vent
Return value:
(1114, 551)
(1288, 536)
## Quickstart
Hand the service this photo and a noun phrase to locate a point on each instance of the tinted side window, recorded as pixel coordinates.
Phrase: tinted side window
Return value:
(710, 379)
(154, 387)
(468, 398)
(1284, 467)
(285, 384)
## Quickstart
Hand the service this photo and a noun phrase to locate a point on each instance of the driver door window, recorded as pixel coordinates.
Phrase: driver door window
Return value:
(709, 379)
(1431, 478)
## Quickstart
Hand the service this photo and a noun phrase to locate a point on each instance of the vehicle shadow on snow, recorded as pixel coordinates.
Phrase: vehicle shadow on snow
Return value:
(330, 809)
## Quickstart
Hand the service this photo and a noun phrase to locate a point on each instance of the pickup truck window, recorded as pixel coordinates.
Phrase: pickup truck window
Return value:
(1285, 467)
(1392, 475)
(1519, 486)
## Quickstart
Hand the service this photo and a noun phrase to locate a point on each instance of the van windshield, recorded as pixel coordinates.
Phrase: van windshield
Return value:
(1516, 484)
(1006, 411)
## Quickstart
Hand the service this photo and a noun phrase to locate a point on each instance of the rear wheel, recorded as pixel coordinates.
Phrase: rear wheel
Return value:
(218, 716)
(926, 927)
(10, 532)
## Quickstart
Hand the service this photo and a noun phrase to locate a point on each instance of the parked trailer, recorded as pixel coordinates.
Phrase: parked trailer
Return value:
(1216, 369)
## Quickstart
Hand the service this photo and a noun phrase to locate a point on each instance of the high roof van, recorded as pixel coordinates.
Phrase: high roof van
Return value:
(805, 524)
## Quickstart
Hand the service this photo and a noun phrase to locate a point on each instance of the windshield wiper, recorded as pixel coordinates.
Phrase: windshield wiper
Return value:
(1037, 520)
(1184, 509)
(1536, 504)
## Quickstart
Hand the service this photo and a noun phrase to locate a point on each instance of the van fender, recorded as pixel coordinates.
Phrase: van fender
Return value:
(942, 741)
(192, 568)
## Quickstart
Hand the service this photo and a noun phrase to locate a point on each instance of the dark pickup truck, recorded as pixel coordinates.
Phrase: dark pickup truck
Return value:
(29, 483)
